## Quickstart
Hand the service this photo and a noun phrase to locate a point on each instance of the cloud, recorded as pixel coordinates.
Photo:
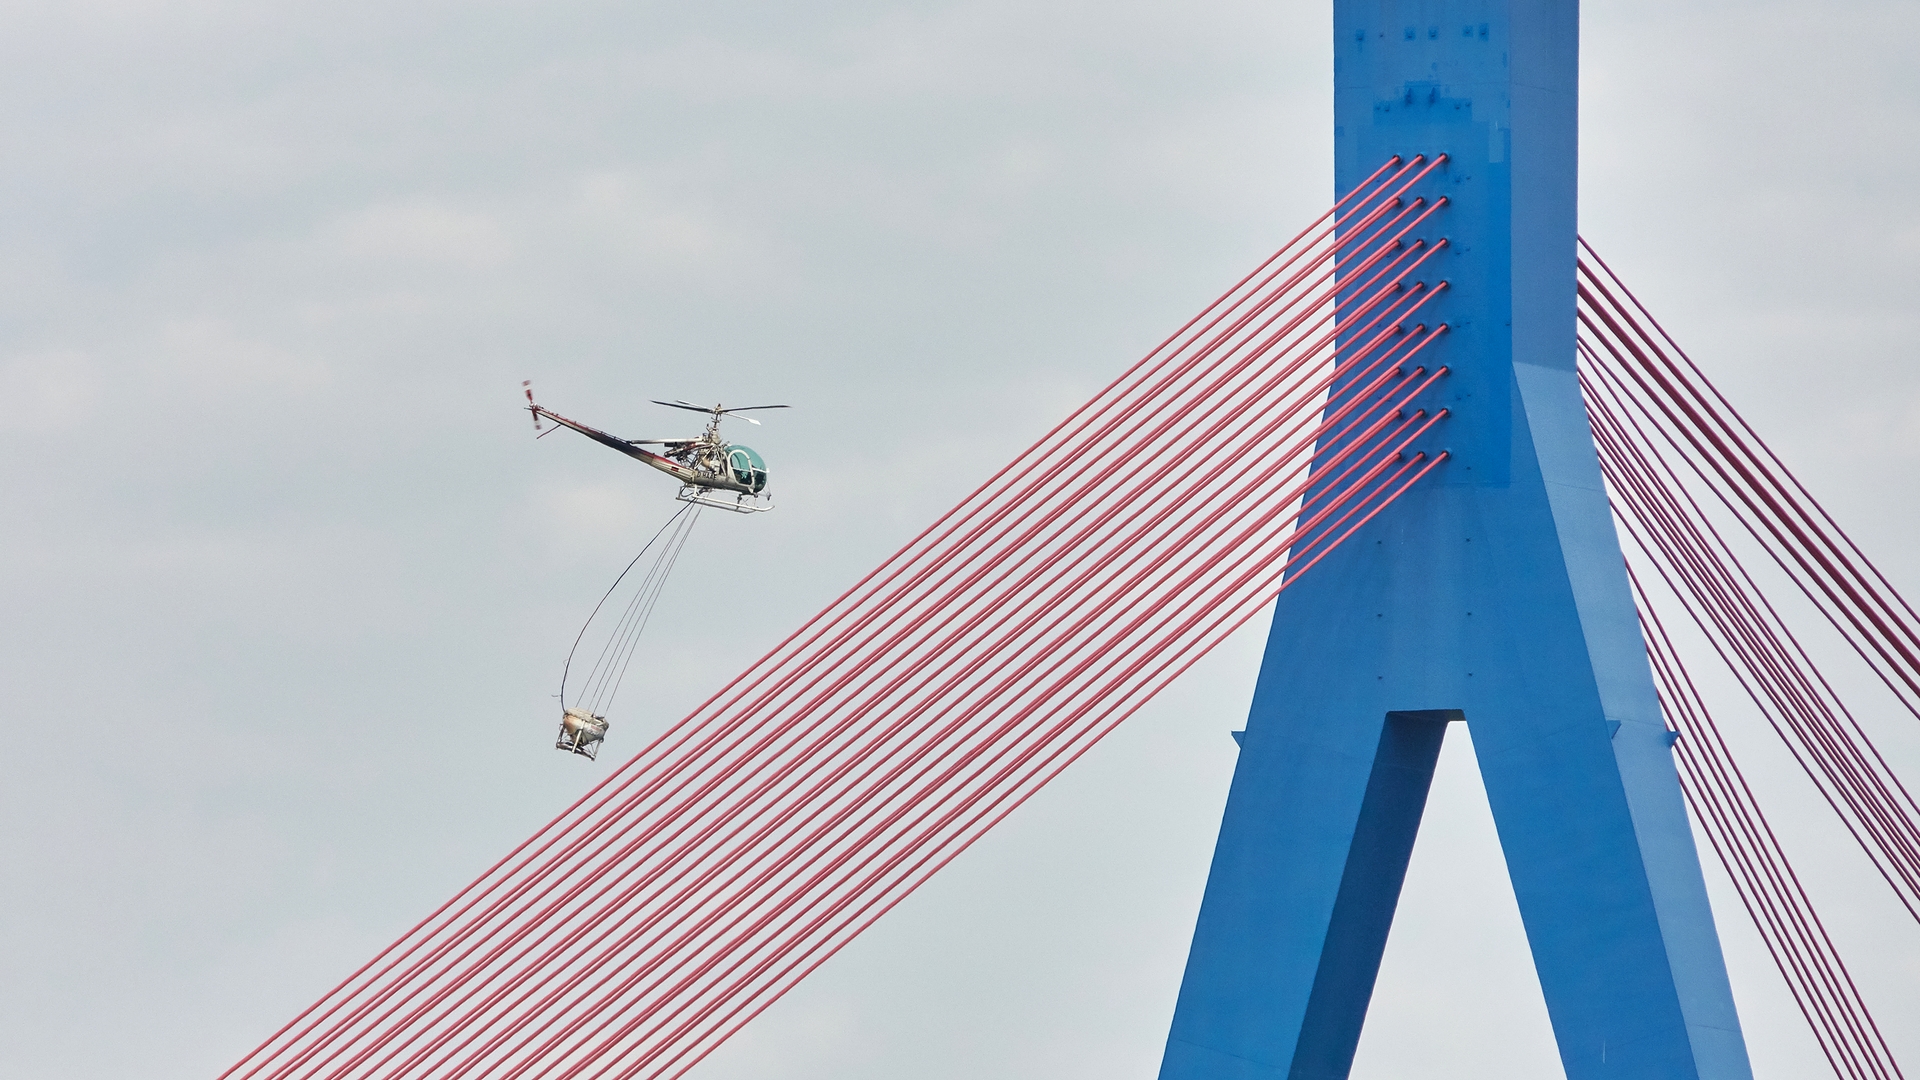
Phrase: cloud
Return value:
(626, 216)
(52, 390)
(423, 232)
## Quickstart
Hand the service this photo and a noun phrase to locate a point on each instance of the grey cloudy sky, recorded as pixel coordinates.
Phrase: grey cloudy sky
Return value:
(288, 583)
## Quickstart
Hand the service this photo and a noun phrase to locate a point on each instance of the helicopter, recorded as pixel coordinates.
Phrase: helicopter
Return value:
(707, 466)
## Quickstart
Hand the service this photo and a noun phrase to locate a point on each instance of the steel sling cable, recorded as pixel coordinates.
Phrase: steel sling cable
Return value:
(609, 668)
(568, 666)
(647, 597)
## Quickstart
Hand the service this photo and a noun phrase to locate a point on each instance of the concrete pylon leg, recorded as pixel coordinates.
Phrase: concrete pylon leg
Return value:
(1494, 594)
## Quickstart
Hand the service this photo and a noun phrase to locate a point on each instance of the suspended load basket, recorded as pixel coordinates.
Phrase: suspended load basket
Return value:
(585, 701)
(581, 732)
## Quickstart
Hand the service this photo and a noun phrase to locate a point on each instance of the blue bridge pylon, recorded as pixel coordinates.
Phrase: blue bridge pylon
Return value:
(1496, 595)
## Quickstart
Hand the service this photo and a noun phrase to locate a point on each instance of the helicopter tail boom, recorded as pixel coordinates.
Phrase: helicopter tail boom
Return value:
(664, 464)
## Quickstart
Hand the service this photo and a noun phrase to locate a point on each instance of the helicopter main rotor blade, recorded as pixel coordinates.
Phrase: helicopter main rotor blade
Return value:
(661, 442)
(684, 405)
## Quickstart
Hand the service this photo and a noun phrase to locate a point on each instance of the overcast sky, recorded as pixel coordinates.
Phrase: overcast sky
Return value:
(287, 581)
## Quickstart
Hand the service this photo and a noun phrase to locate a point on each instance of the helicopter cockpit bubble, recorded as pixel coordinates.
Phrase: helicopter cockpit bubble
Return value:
(746, 468)
(581, 732)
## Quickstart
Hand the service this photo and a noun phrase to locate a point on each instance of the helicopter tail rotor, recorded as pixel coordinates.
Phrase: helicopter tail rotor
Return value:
(527, 385)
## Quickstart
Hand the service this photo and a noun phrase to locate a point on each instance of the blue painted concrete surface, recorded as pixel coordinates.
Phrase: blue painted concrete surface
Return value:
(1494, 592)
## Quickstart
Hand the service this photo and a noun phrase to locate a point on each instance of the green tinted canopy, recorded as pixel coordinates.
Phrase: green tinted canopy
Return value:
(746, 468)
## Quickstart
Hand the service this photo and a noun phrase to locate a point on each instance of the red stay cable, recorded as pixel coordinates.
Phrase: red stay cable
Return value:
(1797, 695)
(1743, 484)
(618, 901)
(1410, 464)
(482, 879)
(1726, 786)
(936, 694)
(1792, 494)
(1799, 957)
(1172, 668)
(1854, 788)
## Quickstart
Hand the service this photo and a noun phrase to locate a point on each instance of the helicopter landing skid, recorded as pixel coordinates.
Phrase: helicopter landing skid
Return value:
(741, 504)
